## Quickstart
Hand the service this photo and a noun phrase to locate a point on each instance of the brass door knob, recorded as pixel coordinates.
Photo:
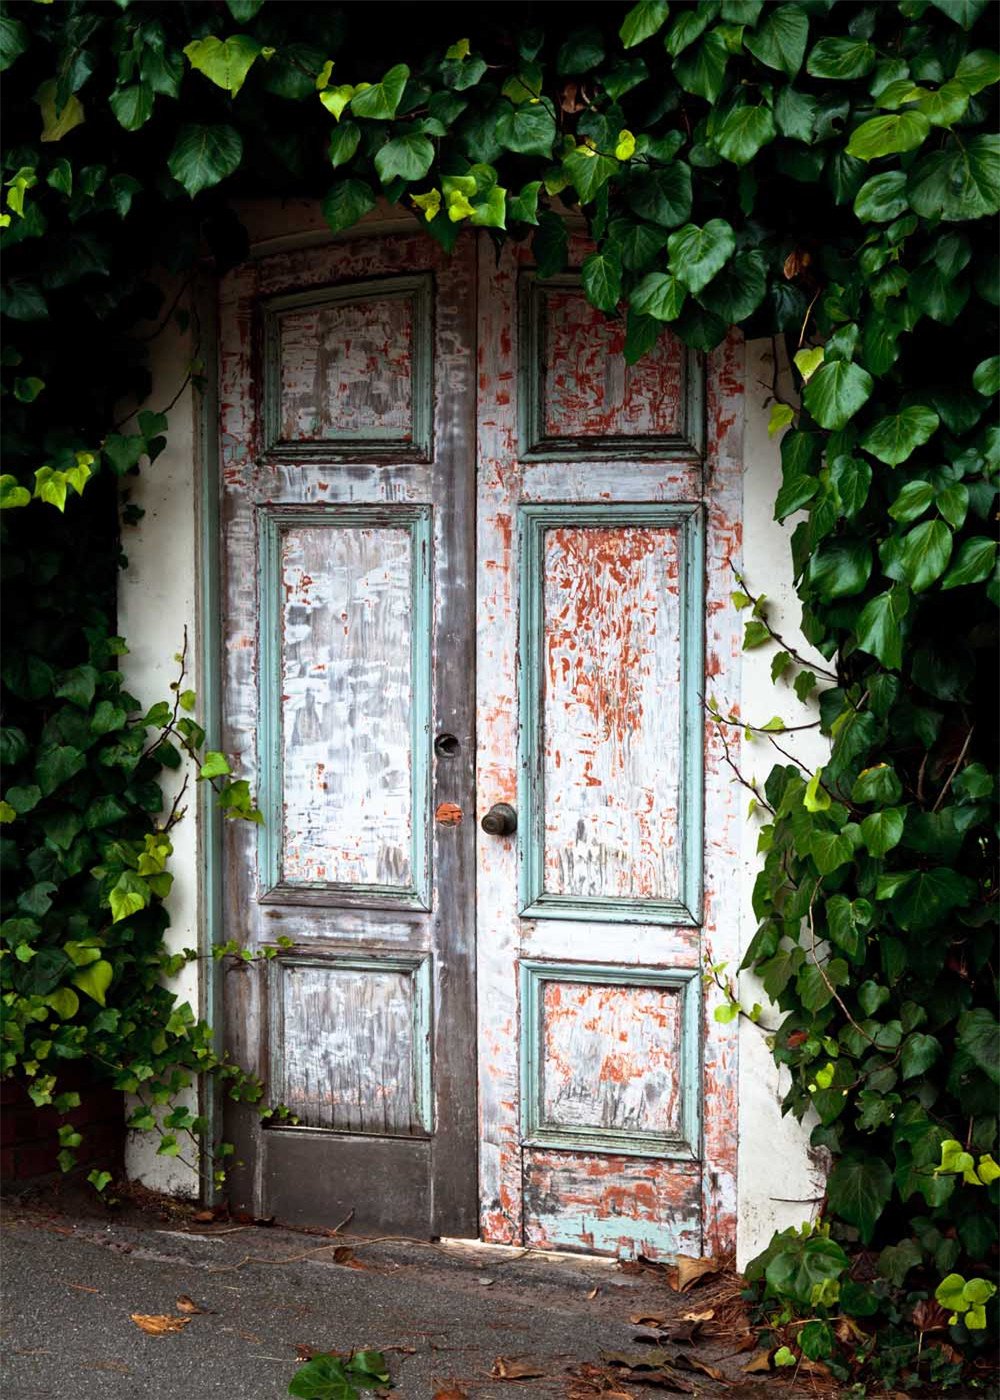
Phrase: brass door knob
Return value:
(500, 820)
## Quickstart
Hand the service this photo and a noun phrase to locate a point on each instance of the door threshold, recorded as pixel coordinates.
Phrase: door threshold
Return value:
(510, 1253)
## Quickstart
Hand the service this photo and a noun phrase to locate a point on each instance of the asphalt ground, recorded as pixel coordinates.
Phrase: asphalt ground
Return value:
(447, 1318)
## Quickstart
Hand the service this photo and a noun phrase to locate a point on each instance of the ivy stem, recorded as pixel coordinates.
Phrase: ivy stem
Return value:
(750, 787)
(776, 636)
(822, 971)
(955, 767)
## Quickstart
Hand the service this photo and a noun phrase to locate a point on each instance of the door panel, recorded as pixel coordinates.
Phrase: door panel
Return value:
(346, 599)
(610, 652)
(348, 515)
(606, 520)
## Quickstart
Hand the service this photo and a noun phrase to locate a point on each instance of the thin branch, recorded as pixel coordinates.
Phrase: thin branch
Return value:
(805, 322)
(776, 636)
(822, 971)
(750, 787)
(955, 767)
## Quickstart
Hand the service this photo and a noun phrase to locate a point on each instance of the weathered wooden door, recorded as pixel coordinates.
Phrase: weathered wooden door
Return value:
(348, 462)
(605, 523)
(365, 388)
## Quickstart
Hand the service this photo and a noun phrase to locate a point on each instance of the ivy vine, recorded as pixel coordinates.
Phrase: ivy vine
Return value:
(827, 173)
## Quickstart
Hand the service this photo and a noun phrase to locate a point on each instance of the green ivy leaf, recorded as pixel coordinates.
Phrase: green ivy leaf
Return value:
(882, 198)
(830, 850)
(132, 105)
(883, 830)
(743, 132)
(978, 69)
(841, 59)
(581, 52)
(589, 171)
(780, 42)
(662, 196)
(840, 568)
(928, 896)
(343, 143)
(58, 118)
(659, 295)
(216, 765)
(836, 393)
(13, 41)
(889, 135)
(697, 254)
(960, 182)
(404, 158)
(204, 155)
(528, 129)
(95, 980)
(858, 1189)
(975, 561)
(896, 437)
(918, 1054)
(12, 495)
(703, 71)
(602, 279)
(227, 62)
(379, 102)
(924, 554)
(642, 22)
(911, 502)
(979, 1037)
(346, 202)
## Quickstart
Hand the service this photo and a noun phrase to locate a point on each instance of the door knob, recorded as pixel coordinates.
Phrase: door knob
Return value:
(500, 820)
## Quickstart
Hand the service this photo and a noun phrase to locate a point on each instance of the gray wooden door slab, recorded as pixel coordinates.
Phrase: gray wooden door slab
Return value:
(348, 508)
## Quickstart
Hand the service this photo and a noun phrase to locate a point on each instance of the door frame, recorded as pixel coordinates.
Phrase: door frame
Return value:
(723, 503)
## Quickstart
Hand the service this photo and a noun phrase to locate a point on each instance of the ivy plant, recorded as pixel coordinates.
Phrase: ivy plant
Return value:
(823, 172)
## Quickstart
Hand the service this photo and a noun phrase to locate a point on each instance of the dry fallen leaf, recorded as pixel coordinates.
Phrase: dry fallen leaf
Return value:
(451, 1394)
(705, 1316)
(592, 1294)
(930, 1316)
(690, 1270)
(511, 1369)
(684, 1362)
(304, 1352)
(760, 1361)
(187, 1305)
(649, 1319)
(158, 1324)
(204, 1217)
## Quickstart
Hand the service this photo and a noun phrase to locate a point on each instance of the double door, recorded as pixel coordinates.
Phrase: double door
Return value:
(468, 560)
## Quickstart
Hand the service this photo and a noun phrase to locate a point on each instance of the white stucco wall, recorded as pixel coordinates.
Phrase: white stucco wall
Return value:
(778, 1185)
(157, 601)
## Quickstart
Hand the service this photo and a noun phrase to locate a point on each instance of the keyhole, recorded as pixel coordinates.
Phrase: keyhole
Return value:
(446, 745)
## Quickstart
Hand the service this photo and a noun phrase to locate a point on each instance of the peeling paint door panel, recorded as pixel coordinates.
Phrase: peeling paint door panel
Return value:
(348, 457)
(606, 517)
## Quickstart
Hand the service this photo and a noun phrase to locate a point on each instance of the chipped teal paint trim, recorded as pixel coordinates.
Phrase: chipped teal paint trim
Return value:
(537, 1133)
(623, 1237)
(367, 442)
(418, 967)
(273, 521)
(537, 446)
(536, 903)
